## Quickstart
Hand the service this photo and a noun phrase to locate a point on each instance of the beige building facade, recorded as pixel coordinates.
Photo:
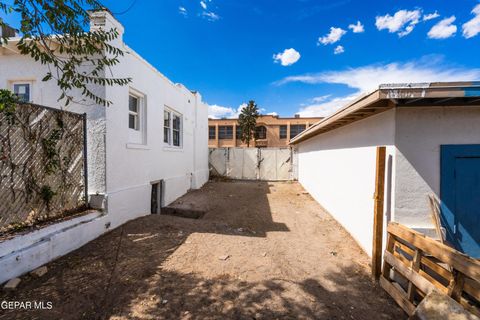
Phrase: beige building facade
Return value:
(272, 131)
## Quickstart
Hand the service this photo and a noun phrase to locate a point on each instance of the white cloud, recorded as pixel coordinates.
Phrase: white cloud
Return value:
(325, 108)
(287, 57)
(272, 114)
(402, 22)
(218, 112)
(321, 98)
(370, 77)
(339, 50)
(357, 28)
(472, 27)
(430, 16)
(334, 36)
(210, 16)
(443, 29)
(183, 11)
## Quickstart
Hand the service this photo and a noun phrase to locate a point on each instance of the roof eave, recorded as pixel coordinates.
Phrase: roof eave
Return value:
(390, 96)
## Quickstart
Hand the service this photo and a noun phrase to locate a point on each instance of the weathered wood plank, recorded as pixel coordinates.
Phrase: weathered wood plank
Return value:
(463, 263)
(415, 267)
(386, 267)
(472, 288)
(420, 282)
(397, 295)
(438, 269)
(456, 286)
(378, 213)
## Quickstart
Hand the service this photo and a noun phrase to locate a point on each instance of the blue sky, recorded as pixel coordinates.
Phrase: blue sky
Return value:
(226, 48)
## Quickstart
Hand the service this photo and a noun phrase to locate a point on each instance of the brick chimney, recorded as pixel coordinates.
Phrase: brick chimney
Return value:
(104, 19)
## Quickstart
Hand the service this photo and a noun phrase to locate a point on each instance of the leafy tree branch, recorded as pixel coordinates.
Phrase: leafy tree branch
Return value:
(56, 33)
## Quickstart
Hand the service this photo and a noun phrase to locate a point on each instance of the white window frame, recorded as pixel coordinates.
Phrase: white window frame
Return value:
(168, 135)
(170, 128)
(137, 136)
(135, 114)
(23, 82)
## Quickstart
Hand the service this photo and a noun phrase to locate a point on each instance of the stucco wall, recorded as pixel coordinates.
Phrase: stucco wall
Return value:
(131, 167)
(338, 169)
(419, 134)
(121, 170)
(15, 68)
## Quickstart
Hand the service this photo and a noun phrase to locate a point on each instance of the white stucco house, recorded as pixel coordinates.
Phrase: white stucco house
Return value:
(155, 134)
(432, 136)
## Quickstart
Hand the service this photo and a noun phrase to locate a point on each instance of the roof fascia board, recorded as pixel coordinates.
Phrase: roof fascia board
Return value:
(350, 108)
(395, 93)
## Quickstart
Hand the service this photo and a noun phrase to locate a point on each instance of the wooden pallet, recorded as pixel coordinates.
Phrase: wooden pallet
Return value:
(415, 265)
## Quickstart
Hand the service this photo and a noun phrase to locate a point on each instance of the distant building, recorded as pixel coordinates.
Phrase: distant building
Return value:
(272, 131)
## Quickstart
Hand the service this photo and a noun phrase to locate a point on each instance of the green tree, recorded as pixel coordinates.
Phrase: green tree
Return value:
(56, 33)
(247, 122)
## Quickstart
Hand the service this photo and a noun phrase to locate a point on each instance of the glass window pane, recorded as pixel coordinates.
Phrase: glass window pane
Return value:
(225, 132)
(22, 91)
(176, 138)
(211, 133)
(176, 122)
(296, 129)
(261, 132)
(132, 104)
(132, 121)
(239, 133)
(283, 132)
(166, 119)
(166, 135)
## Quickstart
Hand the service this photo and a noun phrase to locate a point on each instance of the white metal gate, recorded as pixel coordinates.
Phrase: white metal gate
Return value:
(271, 164)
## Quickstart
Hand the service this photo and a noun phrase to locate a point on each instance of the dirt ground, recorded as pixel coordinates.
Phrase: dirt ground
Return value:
(262, 251)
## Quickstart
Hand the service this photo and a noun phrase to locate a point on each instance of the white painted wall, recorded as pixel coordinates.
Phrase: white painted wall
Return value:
(118, 168)
(131, 167)
(16, 68)
(338, 169)
(419, 134)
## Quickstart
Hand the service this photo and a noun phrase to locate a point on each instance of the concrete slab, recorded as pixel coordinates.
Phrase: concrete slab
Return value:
(12, 284)
(438, 306)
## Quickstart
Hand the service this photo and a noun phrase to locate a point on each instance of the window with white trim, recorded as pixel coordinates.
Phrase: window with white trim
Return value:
(23, 90)
(137, 116)
(172, 128)
(166, 126)
(133, 112)
(176, 130)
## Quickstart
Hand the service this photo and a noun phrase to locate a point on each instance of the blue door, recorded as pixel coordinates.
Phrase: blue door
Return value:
(460, 195)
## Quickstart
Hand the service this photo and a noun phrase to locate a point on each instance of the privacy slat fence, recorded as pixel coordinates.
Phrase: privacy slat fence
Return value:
(42, 160)
(415, 265)
(267, 164)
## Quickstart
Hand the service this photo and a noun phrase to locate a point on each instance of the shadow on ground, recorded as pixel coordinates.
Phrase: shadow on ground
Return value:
(129, 274)
(239, 205)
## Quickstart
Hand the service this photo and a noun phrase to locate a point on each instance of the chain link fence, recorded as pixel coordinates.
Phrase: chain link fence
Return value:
(42, 165)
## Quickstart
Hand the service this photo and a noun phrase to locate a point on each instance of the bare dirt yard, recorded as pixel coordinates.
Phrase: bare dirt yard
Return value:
(262, 251)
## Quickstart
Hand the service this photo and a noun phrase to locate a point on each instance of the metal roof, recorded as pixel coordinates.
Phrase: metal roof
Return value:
(389, 96)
